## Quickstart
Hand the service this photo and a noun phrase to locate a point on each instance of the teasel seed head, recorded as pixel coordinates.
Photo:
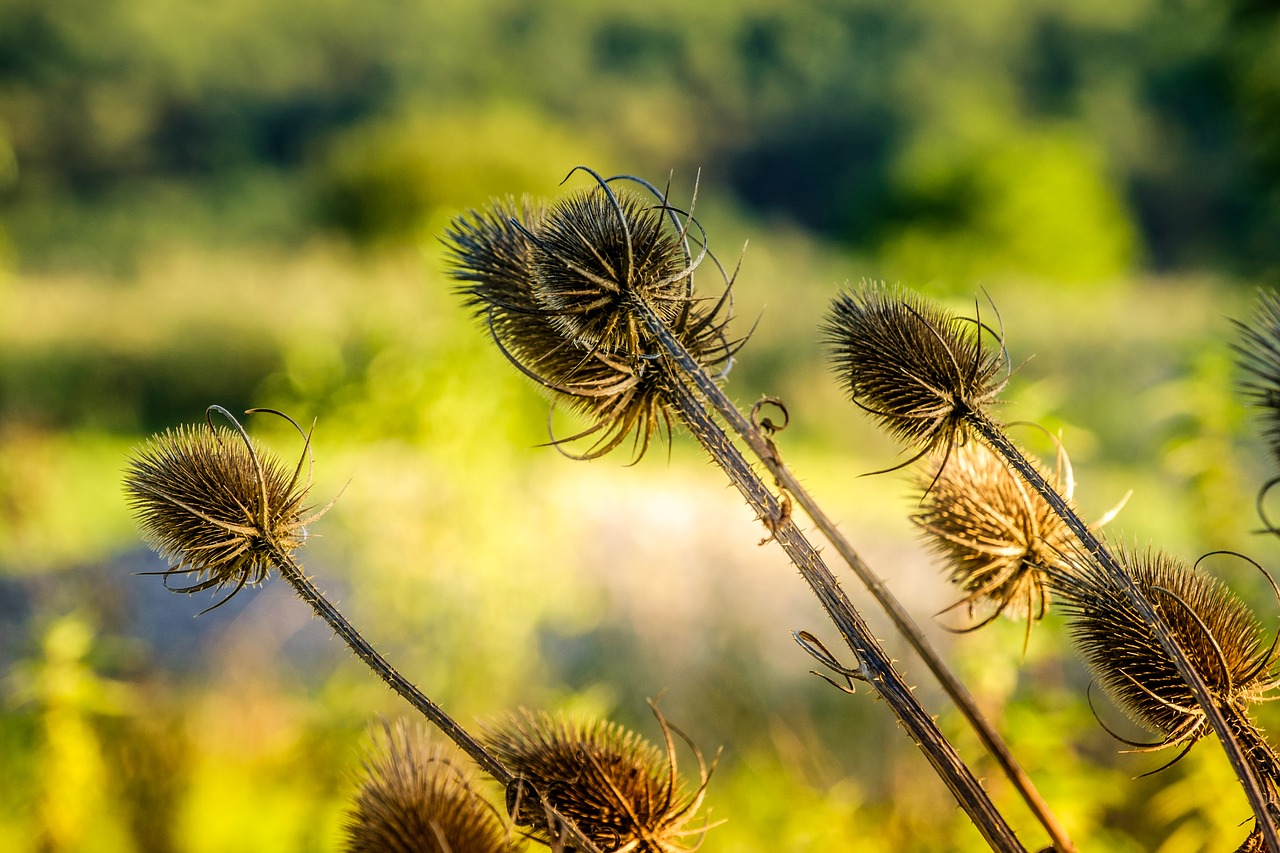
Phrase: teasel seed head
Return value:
(918, 369)
(1258, 356)
(1217, 631)
(218, 504)
(998, 536)
(622, 792)
(416, 797)
(556, 288)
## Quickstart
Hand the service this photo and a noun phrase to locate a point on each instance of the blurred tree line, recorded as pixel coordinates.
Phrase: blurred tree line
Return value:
(1071, 141)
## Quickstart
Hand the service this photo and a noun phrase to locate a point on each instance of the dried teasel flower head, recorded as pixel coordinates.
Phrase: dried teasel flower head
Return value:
(1258, 352)
(416, 797)
(918, 369)
(217, 504)
(623, 793)
(558, 287)
(1217, 631)
(999, 537)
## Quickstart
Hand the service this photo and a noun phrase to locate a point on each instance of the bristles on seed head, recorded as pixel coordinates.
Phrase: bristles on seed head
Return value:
(1217, 631)
(621, 792)
(1258, 352)
(416, 797)
(597, 250)
(998, 536)
(217, 504)
(554, 289)
(915, 367)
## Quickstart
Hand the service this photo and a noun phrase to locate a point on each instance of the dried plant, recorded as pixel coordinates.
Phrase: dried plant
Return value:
(212, 502)
(663, 343)
(623, 793)
(417, 796)
(915, 368)
(553, 289)
(1219, 633)
(903, 360)
(998, 537)
(1258, 351)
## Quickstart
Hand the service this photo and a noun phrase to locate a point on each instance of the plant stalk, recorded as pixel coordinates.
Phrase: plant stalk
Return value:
(308, 592)
(874, 664)
(764, 450)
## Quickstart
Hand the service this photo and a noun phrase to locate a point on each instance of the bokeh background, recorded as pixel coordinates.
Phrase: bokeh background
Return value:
(239, 203)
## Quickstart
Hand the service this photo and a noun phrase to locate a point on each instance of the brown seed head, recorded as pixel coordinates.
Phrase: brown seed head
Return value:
(1219, 633)
(916, 368)
(217, 504)
(999, 537)
(623, 793)
(415, 797)
(557, 289)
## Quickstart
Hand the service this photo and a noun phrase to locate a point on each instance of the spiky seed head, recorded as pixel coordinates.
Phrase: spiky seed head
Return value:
(1258, 353)
(623, 793)
(1217, 631)
(596, 251)
(217, 504)
(524, 271)
(917, 368)
(416, 797)
(998, 536)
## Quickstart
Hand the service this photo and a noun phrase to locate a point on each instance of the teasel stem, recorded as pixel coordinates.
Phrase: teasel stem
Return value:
(763, 449)
(487, 761)
(874, 665)
(1264, 807)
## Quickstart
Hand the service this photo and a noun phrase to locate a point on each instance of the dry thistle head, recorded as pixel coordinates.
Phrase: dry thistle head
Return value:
(998, 536)
(917, 368)
(1259, 357)
(623, 793)
(217, 504)
(415, 797)
(1217, 631)
(557, 289)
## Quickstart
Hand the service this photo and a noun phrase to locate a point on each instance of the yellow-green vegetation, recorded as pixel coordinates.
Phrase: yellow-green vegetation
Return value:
(240, 203)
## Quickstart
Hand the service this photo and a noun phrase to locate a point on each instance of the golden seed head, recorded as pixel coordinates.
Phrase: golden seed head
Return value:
(916, 368)
(1217, 631)
(621, 791)
(218, 505)
(557, 290)
(416, 797)
(999, 537)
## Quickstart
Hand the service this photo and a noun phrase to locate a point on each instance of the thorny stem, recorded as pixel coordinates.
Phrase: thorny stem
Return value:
(1263, 806)
(762, 447)
(308, 592)
(873, 663)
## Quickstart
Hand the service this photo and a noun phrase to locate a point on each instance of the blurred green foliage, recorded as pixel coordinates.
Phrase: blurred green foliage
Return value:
(237, 203)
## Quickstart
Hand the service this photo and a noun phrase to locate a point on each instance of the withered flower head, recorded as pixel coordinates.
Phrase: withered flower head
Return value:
(915, 367)
(557, 288)
(1217, 631)
(1259, 357)
(998, 536)
(417, 798)
(217, 504)
(623, 793)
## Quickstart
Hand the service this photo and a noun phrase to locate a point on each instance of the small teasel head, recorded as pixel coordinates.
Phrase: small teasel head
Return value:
(623, 793)
(998, 536)
(217, 504)
(1218, 632)
(556, 288)
(417, 797)
(917, 368)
